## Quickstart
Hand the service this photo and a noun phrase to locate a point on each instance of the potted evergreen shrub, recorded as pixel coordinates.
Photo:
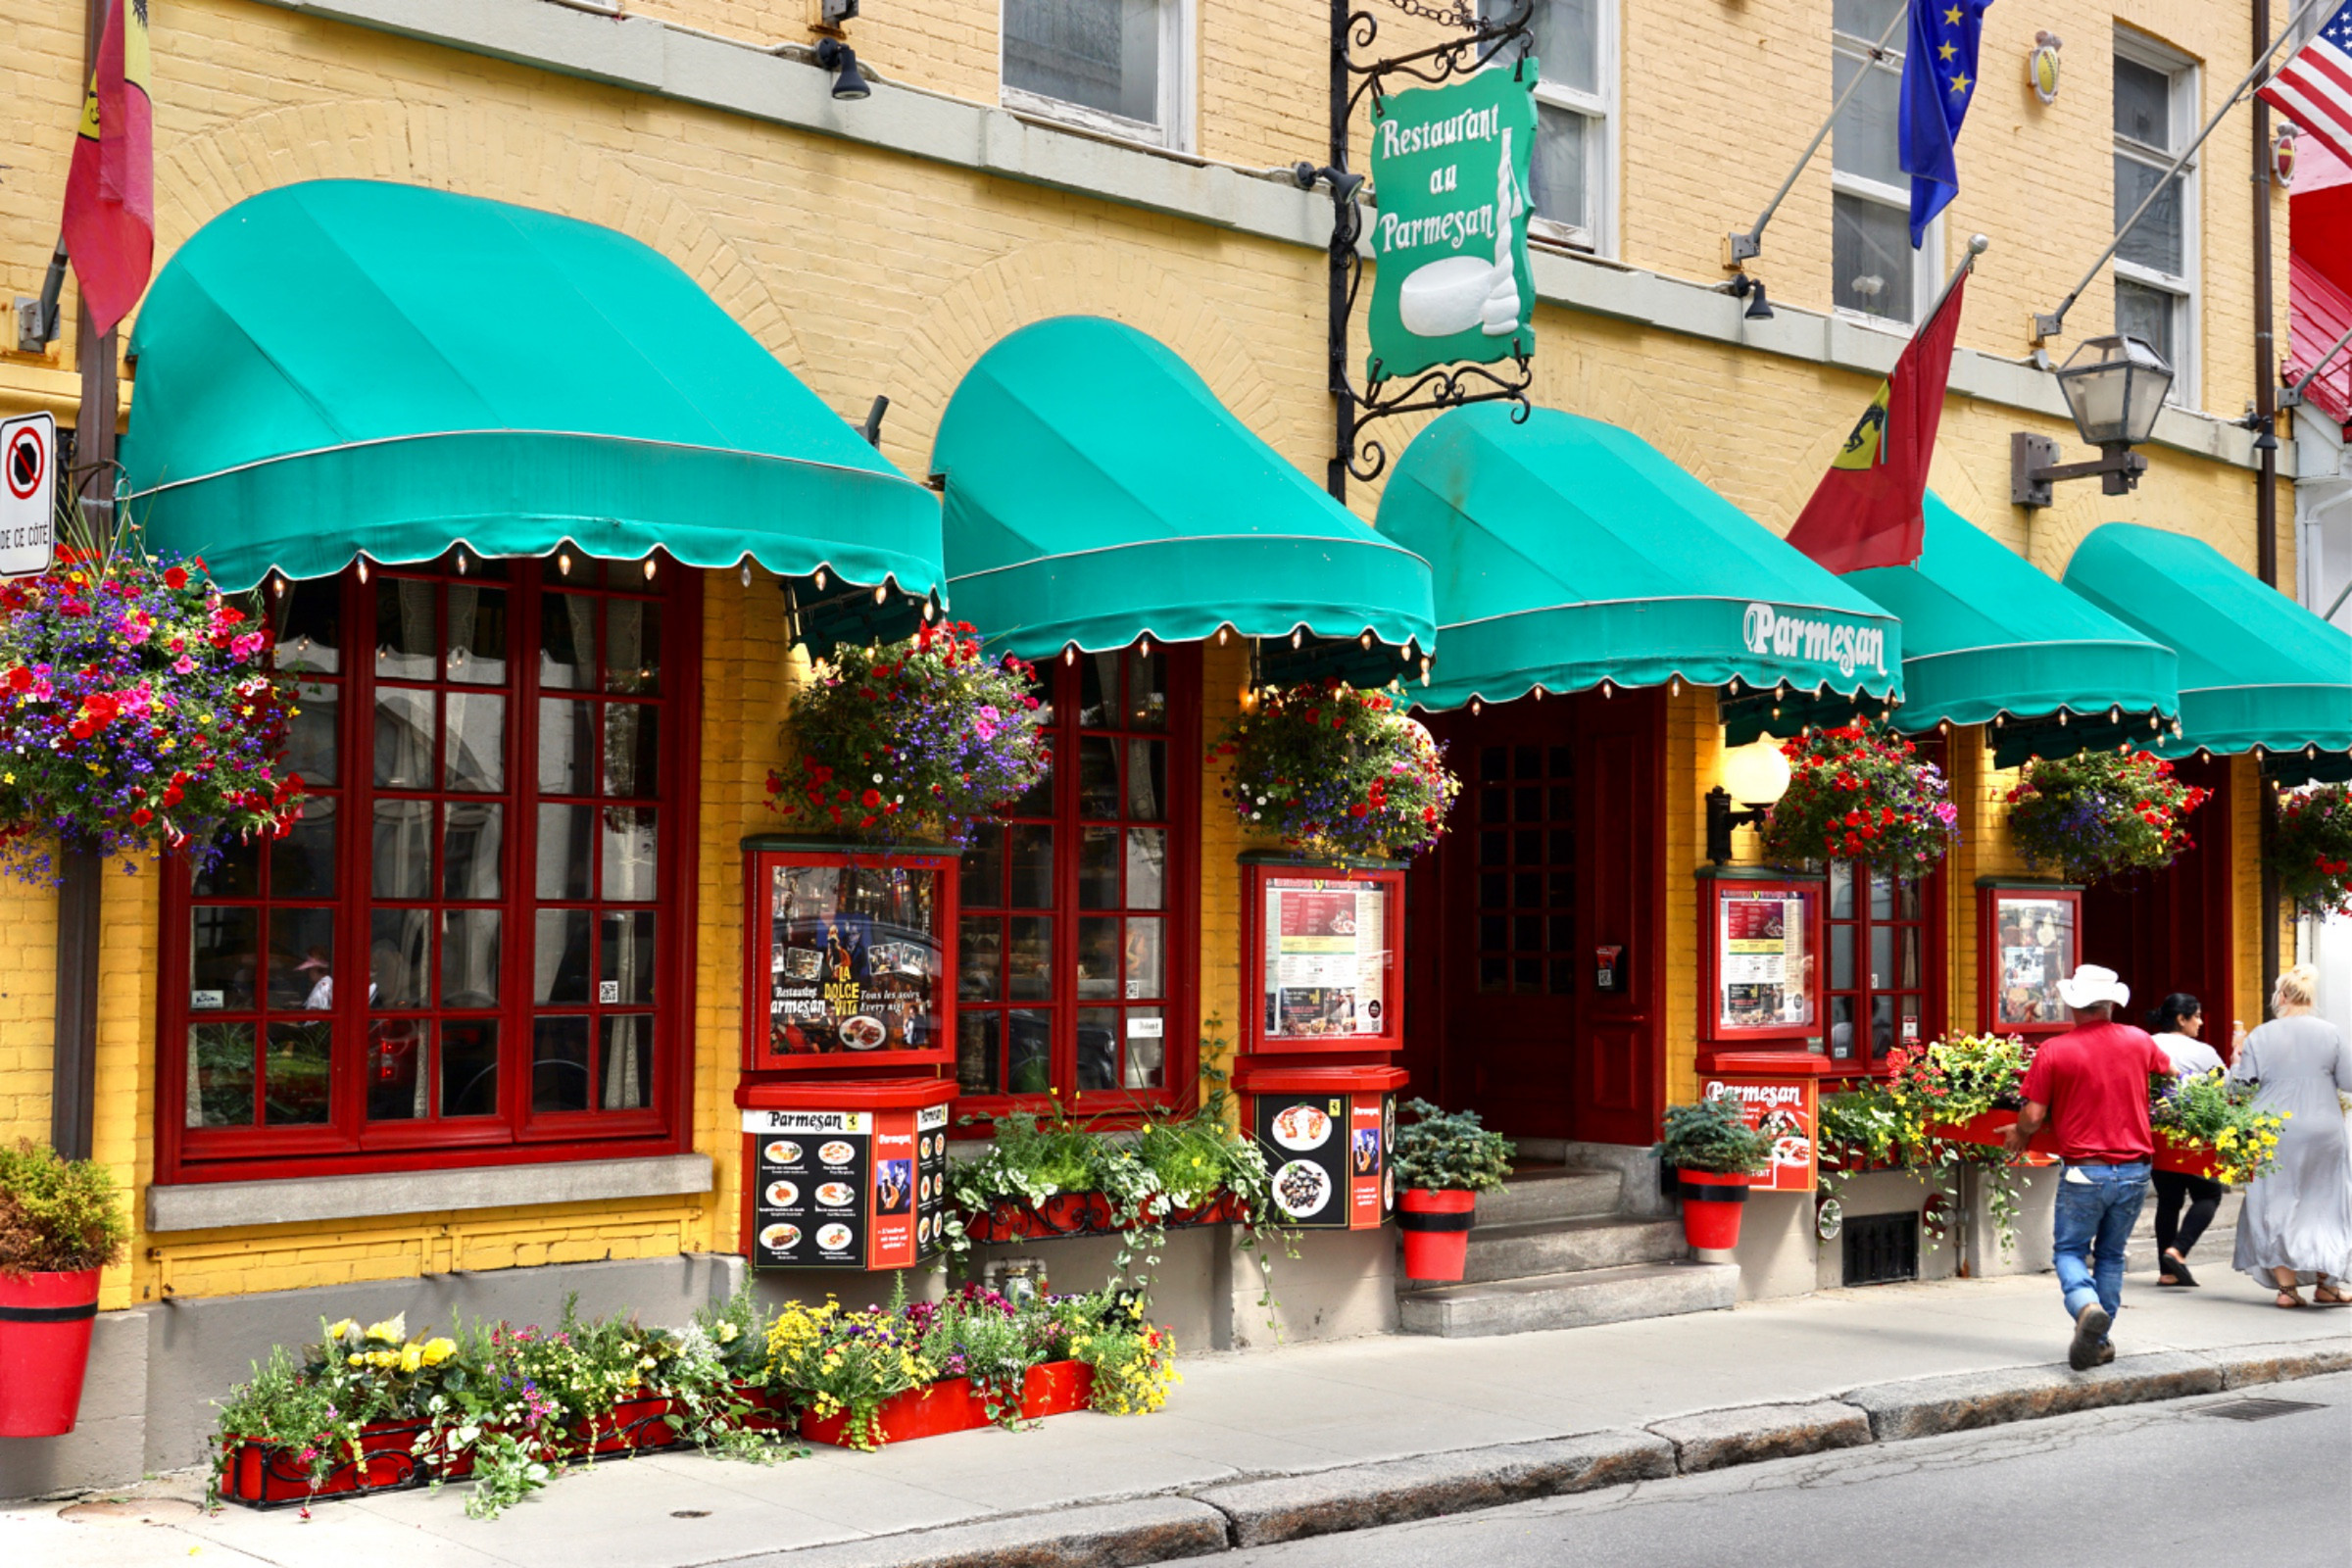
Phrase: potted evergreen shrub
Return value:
(1443, 1160)
(59, 1226)
(1714, 1152)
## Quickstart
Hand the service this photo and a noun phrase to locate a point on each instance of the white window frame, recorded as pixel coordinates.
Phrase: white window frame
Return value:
(1175, 91)
(2186, 314)
(1927, 261)
(1599, 111)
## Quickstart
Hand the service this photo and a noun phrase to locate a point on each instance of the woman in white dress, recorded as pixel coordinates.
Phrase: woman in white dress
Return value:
(2296, 1226)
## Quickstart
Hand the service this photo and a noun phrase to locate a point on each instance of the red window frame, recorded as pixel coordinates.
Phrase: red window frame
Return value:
(347, 1141)
(1863, 992)
(1059, 808)
(1259, 877)
(1717, 891)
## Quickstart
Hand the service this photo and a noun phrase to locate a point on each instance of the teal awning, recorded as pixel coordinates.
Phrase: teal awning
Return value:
(1098, 492)
(1569, 551)
(1987, 639)
(2256, 668)
(343, 367)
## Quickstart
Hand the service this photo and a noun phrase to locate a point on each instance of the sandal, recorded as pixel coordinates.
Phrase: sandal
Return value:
(2330, 1296)
(2290, 1297)
(2173, 1269)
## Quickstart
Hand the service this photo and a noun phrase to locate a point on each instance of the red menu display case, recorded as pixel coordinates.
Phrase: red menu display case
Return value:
(846, 1175)
(1320, 957)
(1326, 1132)
(2027, 940)
(1759, 970)
(846, 951)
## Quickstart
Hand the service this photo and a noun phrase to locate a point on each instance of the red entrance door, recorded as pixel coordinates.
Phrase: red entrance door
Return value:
(1556, 847)
(2170, 930)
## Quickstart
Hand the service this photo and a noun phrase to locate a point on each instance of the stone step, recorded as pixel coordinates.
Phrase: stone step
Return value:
(1568, 1301)
(1550, 1192)
(1569, 1246)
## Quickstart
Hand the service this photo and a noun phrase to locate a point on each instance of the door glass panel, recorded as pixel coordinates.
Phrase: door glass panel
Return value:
(1144, 1051)
(559, 1063)
(235, 871)
(408, 643)
(309, 626)
(1098, 959)
(402, 852)
(625, 955)
(1098, 868)
(1029, 961)
(1147, 780)
(1908, 976)
(629, 853)
(469, 957)
(1882, 895)
(296, 1072)
(470, 848)
(477, 743)
(632, 750)
(301, 961)
(302, 864)
(311, 732)
(633, 646)
(977, 1052)
(559, 957)
(1098, 776)
(567, 748)
(563, 851)
(625, 1062)
(1146, 867)
(1841, 958)
(980, 883)
(399, 955)
(1030, 1068)
(397, 1078)
(469, 1067)
(1146, 958)
(1032, 866)
(1842, 1045)
(477, 635)
(979, 959)
(567, 641)
(404, 739)
(220, 1075)
(1147, 694)
(1098, 1047)
(1841, 890)
(1882, 957)
(1097, 690)
(224, 958)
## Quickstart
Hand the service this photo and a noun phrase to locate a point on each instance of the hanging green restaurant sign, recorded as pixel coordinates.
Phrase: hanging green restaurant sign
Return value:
(1450, 168)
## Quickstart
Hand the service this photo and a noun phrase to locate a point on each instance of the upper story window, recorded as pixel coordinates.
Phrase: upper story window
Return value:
(2156, 265)
(1875, 271)
(470, 946)
(1118, 66)
(1075, 962)
(1572, 173)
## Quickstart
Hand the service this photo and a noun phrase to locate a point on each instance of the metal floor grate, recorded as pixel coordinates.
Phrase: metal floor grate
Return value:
(2258, 1409)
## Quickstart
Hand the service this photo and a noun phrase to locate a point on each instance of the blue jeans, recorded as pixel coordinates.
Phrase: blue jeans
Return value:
(2097, 1206)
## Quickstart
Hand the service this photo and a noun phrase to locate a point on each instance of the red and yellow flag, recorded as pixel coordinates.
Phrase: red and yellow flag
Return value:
(1865, 511)
(109, 191)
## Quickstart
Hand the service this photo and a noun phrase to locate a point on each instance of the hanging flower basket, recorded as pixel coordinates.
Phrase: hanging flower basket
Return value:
(2311, 848)
(2101, 813)
(912, 742)
(1858, 792)
(138, 711)
(1337, 771)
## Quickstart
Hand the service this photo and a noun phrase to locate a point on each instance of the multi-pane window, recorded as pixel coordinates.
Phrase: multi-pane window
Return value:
(1116, 64)
(463, 939)
(1526, 870)
(1875, 271)
(1070, 955)
(1880, 951)
(1571, 173)
(2156, 265)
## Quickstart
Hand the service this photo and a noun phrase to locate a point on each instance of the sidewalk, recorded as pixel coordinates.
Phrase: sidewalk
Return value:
(1235, 1418)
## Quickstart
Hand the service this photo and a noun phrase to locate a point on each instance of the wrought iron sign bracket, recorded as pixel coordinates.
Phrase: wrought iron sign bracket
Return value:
(1353, 81)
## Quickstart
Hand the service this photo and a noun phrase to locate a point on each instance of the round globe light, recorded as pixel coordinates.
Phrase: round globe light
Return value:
(1755, 774)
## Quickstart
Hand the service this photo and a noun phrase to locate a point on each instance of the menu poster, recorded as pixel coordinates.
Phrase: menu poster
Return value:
(894, 1244)
(1306, 1139)
(854, 959)
(1326, 968)
(813, 1169)
(1762, 968)
(930, 1178)
(2036, 940)
(1371, 1188)
(1788, 1108)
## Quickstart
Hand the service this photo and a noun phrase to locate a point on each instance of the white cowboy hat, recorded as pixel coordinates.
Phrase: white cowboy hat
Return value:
(2091, 984)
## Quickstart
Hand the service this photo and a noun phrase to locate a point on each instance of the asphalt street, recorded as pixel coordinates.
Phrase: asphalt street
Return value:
(2144, 1484)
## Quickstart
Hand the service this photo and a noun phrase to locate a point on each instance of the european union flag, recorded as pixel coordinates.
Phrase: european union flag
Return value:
(1939, 78)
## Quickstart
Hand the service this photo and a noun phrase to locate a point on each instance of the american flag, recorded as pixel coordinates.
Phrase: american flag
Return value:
(2314, 88)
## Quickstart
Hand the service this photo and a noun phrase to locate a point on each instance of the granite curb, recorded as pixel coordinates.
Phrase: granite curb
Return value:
(1213, 1519)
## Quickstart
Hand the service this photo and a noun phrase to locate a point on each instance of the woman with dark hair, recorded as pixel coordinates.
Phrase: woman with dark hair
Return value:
(2177, 1024)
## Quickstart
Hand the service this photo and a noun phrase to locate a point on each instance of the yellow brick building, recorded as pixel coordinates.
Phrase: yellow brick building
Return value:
(884, 245)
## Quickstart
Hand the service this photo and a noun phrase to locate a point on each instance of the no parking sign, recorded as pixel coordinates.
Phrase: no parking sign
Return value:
(27, 481)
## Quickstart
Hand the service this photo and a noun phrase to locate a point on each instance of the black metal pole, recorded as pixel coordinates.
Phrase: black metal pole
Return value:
(2266, 479)
(1343, 247)
(73, 1057)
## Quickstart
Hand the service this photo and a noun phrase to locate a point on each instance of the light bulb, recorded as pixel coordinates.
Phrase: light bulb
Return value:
(1144, 648)
(820, 580)
(747, 573)
(564, 562)
(650, 564)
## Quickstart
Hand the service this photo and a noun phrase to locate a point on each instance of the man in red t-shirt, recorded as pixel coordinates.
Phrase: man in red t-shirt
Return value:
(2092, 1084)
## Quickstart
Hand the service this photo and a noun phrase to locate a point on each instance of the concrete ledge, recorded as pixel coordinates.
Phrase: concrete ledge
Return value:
(1361, 1497)
(212, 1206)
(1108, 1536)
(1715, 1438)
(2245, 1365)
(1924, 1406)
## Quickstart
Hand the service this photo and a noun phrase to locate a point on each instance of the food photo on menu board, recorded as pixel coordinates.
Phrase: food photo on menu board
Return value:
(1763, 967)
(2036, 943)
(854, 963)
(810, 1181)
(1326, 960)
(1307, 1152)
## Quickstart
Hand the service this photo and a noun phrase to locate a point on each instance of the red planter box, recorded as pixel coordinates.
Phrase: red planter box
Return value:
(1993, 1127)
(953, 1405)
(274, 1476)
(1067, 1214)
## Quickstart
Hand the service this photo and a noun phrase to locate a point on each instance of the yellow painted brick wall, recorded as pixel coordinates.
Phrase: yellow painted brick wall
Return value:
(1694, 767)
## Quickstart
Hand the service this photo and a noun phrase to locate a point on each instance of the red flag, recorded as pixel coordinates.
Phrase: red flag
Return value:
(1865, 511)
(110, 190)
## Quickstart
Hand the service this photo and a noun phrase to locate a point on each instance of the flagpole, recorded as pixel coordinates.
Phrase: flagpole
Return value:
(1978, 245)
(1739, 248)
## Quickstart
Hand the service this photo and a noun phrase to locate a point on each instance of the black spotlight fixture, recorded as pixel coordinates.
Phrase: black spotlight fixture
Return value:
(840, 59)
(1343, 185)
(1752, 289)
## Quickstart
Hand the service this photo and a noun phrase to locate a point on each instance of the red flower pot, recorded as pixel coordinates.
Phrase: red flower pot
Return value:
(271, 1476)
(45, 1322)
(1711, 1205)
(1436, 1226)
(953, 1405)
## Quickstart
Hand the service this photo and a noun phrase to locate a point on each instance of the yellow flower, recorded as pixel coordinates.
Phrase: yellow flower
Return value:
(356, 1359)
(412, 1356)
(391, 1331)
(342, 1329)
(435, 1352)
(383, 1358)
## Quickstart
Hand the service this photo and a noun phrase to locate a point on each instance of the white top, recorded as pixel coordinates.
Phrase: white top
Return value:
(2189, 1054)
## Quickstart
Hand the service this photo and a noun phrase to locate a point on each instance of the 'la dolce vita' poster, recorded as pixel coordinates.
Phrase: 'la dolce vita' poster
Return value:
(1449, 169)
